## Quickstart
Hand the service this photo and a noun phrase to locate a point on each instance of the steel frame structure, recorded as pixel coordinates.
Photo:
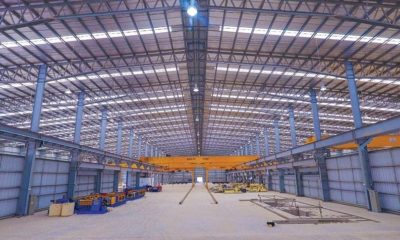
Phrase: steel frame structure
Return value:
(250, 59)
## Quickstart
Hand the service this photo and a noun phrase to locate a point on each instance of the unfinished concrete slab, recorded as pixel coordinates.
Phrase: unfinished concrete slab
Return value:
(159, 216)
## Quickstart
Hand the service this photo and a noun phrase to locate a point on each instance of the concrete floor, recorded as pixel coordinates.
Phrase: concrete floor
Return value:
(159, 216)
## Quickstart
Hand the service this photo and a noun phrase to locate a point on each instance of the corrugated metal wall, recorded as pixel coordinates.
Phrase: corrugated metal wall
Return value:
(217, 176)
(49, 180)
(385, 167)
(10, 180)
(345, 180)
(199, 172)
(181, 177)
(107, 181)
(290, 184)
(131, 179)
(312, 186)
(85, 181)
(275, 182)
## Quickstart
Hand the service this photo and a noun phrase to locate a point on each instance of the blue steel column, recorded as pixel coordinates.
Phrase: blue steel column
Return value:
(102, 144)
(297, 173)
(118, 151)
(319, 154)
(139, 146)
(251, 152)
(77, 139)
(277, 150)
(299, 182)
(292, 126)
(103, 128)
(146, 146)
(258, 152)
(130, 155)
(269, 179)
(362, 143)
(25, 189)
(277, 136)
(315, 113)
(137, 182)
(119, 138)
(266, 143)
(131, 141)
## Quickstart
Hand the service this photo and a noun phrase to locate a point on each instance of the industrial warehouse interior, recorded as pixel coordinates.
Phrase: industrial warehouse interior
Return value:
(199, 119)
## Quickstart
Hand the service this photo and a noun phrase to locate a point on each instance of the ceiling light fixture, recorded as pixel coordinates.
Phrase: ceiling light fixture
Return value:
(192, 10)
(196, 88)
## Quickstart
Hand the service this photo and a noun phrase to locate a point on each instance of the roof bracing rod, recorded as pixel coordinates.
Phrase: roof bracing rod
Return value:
(358, 12)
(40, 13)
(195, 36)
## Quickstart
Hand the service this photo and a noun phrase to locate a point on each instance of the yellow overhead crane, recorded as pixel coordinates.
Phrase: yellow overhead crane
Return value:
(379, 142)
(188, 163)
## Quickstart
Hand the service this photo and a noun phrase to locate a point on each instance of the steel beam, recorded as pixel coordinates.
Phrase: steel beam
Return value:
(258, 151)
(266, 141)
(319, 154)
(374, 14)
(137, 182)
(315, 114)
(139, 146)
(25, 189)
(17, 134)
(277, 136)
(103, 128)
(196, 39)
(98, 181)
(281, 173)
(75, 154)
(119, 138)
(131, 140)
(362, 143)
(292, 126)
(116, 181)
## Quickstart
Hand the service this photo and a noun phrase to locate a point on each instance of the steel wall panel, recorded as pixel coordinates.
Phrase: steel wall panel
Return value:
(290, 184)
(131, 179)
(275, 182)
(10, 180)
(385, 170)
(107, 181)
(345, 182)
(49, 180)
(85, 182)
(216, 176)
(312, 186)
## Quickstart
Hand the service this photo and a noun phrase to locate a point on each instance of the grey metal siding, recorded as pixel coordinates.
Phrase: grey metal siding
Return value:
(85, 182)
(275, 182)
(385, 168)
(217, 176)
(345, 181)
(49, 180)
(10, 180)
(290, 184)
(107, 181)
(131, 179)
(312, 186)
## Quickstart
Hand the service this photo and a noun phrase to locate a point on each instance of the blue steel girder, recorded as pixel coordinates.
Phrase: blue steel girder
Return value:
(195, 37)
(383, 127)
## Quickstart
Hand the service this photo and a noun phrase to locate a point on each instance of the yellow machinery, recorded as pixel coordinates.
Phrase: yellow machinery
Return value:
(255, 187)
(385, 141)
